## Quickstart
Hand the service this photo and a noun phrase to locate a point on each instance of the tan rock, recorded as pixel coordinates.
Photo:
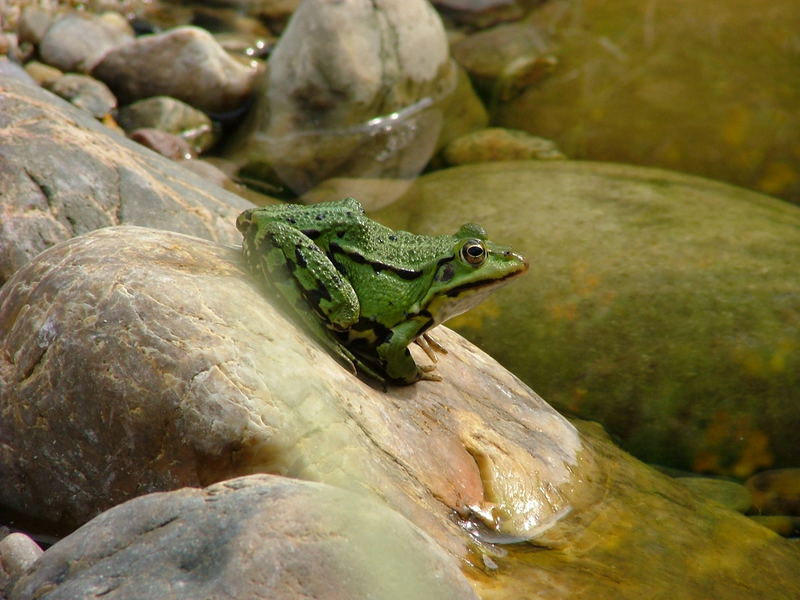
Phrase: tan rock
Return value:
(186, 63)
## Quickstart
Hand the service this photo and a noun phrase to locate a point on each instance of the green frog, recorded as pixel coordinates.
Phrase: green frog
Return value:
(368, 291)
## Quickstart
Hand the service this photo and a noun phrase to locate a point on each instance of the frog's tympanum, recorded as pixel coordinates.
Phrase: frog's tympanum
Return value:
(368, 291)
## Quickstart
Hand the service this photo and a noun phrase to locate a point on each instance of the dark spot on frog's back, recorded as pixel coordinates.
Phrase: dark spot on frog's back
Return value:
(311, 233)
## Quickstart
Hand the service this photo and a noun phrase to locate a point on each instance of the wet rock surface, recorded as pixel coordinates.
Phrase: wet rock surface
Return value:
(253, 537)
(495, 143)
(228, 389)
(672, 85)
(189, 65)
(171, 116)
(193, 376)
(64, 174)
(349, 92)
(664, 305)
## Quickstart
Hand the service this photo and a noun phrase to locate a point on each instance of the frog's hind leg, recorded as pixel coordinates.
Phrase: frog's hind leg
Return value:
(305, 277)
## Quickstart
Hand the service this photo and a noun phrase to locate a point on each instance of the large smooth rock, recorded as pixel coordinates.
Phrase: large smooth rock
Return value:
(678, 85)
(351, 89)
(664, 305)
(63, 174)
(255, 537)
(185, 63)
(135, 360)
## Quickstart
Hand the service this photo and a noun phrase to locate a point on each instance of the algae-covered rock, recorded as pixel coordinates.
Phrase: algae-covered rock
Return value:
(709, 89)
(666, 306)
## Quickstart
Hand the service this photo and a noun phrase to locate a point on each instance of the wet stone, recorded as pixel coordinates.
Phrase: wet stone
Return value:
(84, 92)
(481, 13)
(41, 72)
(785, 525)
(17, 553)
(33, 24)
(506, 59)
(171, 116)
(496, 143)
(361, 102)
(728, 493)
(76, 42)
(166, 144)
(776, 492)
(185, 63)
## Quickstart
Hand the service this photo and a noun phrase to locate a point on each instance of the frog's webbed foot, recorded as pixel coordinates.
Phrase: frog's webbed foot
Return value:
(430, 346)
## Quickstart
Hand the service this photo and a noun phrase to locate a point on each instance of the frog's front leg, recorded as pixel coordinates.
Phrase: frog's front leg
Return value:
(395, 356)
(306, 278)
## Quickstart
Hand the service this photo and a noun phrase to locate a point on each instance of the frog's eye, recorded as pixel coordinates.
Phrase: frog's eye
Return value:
(473, 252)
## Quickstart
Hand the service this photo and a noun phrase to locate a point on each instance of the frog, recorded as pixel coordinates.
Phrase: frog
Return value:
(367, 291)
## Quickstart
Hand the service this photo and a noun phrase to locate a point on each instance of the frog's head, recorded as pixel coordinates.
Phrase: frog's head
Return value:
(475, 268)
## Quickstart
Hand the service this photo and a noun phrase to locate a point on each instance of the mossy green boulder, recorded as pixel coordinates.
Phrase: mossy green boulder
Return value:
(706, 88)
(664, 305)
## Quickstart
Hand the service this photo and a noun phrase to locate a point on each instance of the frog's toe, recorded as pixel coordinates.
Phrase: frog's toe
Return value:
(426, 373)
(430, 346)
(429, 376)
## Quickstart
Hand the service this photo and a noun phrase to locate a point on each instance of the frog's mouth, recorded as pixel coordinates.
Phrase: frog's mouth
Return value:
(464, 297)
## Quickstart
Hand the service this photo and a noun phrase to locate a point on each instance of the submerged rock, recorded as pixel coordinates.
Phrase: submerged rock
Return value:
(677, 85)
(254, 537)
(664, 305)
(351, 90)
(496, 143)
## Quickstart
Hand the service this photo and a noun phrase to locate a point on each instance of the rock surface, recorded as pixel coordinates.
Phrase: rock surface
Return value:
(350, 91)
(664, 305)
(496, 143)
(77, 41)
(84, 92)
(185, 63)
(254, 537)
(64, 174)
(136, 360)
(17, 553)
(171, 116)
(679, 85)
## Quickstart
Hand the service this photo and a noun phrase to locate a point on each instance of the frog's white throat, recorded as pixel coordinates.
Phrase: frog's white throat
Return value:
(446, 307)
